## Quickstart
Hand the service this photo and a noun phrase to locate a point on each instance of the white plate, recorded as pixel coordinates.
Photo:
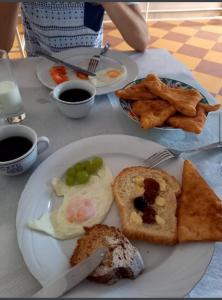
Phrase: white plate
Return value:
(81, 57)
(170, 271)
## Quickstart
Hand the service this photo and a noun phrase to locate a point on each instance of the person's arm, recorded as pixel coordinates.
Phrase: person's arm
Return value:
(8, 23)
(130, 22)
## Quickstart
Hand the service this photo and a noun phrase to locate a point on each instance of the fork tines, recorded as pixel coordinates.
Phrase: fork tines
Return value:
(158, 158)
(93, 63)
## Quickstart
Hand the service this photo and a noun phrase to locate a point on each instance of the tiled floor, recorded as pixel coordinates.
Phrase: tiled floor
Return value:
(198, 44)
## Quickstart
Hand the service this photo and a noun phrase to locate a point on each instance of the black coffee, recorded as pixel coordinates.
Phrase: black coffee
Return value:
(74, 95)
(14, 147)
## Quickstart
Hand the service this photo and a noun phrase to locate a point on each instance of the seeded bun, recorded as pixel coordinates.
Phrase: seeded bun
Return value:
(128, 185)
(123, 260)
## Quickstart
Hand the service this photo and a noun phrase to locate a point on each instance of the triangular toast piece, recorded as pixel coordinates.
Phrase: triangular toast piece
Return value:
(199, 210)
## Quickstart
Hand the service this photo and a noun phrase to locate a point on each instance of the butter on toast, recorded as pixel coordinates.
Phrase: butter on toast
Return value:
(128, 186)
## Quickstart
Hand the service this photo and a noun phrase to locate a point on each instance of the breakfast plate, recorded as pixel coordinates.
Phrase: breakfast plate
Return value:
(169, 271)
(126, 105)
(81, 56)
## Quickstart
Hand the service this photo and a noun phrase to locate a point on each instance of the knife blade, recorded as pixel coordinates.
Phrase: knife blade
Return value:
(68, 65)
(73, 276)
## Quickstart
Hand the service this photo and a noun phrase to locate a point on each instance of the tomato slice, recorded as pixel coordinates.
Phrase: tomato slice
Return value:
(59, 78)
(58, 69)
(81, 75)
(58, 74)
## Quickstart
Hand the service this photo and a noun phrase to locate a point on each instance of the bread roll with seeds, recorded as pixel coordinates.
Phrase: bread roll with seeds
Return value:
(123, 260)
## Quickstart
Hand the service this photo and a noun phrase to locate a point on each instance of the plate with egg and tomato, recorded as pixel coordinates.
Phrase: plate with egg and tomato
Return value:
(73, 188)
(115, 69)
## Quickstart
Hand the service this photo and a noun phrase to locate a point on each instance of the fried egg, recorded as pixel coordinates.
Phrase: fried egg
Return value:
(82, 205)
(108, 76)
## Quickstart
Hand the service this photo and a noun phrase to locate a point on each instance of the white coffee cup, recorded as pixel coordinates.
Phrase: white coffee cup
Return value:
(21, 164)
(77, 109)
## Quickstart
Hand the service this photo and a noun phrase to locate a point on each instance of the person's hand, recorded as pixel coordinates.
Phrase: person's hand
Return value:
(130, 22)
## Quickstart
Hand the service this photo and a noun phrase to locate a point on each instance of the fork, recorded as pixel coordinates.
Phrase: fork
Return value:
(166, 154)
(94, 61)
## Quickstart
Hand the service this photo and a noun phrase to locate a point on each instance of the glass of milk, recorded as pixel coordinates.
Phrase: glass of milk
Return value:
(11, 105)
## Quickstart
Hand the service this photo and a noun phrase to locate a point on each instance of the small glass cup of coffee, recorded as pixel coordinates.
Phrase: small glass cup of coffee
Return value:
(19, 148)
(11, 105)
(74, 98)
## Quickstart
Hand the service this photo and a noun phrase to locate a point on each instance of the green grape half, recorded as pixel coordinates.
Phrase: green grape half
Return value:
(71, 171)
(78, 167)
(91, 168)
(82, 177)
(85, 164)
(97, 163)
(70, 180)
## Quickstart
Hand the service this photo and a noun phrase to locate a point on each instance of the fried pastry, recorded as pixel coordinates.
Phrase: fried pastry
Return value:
(208, 108)
(200, 210)
(191, 124)
(153, 113)
(184, 100)
(136, 92)
(140, 107)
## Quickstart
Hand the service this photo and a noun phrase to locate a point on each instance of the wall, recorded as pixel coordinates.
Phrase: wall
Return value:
(194, 9)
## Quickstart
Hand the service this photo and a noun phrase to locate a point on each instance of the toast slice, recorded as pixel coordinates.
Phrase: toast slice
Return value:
(200, 210)
(128, 185)
(123, 260)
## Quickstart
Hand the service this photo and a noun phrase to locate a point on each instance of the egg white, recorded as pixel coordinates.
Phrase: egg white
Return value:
(98, 188)
(102, 79)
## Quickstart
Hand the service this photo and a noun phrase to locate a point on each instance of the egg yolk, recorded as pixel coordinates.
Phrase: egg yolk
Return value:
(113, 73)
(80, 209)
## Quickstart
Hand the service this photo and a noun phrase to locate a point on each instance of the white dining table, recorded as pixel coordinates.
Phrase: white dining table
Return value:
(106, 118)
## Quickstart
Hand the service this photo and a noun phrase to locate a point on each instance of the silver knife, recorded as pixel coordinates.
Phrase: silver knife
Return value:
(73, 276)
(70, 66)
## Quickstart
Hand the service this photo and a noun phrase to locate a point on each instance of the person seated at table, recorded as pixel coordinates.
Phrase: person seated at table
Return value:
(57, 26)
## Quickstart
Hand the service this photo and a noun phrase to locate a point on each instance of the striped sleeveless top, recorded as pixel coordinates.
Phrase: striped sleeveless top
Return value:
(57, 26)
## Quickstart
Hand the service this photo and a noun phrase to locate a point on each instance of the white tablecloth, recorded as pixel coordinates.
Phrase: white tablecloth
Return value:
(106, 117)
